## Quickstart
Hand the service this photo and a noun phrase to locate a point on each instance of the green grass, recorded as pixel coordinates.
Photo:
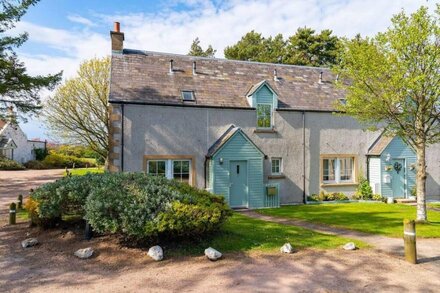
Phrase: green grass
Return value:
(84, 171)
(434, 205)
(375, 218)
(243, 234)
(22, 215)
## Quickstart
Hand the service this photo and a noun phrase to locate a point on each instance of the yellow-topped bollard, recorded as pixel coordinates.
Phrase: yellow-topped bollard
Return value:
(409, 238)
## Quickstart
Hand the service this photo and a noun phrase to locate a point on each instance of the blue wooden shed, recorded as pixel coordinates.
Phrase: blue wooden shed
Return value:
(391, 167)
(235, 171)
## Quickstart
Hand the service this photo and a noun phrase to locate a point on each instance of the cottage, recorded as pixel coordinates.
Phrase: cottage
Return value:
(14, 144)
(259, 134)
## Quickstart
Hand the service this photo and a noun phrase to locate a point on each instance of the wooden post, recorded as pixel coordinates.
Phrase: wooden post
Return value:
(88, 232)
(20, 202)
(12, 213)
(409, 238)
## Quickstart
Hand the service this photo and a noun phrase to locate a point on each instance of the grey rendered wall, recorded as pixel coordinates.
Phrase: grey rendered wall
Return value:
(23, 153)
(433, 168)
(165, 130)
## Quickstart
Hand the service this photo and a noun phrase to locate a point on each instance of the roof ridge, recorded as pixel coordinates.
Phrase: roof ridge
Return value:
(146, 52)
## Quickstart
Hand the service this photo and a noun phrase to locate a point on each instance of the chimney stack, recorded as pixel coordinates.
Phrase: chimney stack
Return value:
(117, 38)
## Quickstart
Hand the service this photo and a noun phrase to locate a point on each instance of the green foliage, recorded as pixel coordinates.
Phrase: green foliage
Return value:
(7, 164)
(53, 161)
(134, 205)
(17, 87)
(323, 196)
(364, 190)
(41, 153)
(78, 111)
(378, 197)
(305, 47)
(197, 50)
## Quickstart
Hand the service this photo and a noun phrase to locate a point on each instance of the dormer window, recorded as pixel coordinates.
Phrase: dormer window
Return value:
(264, 116)
(188, 96)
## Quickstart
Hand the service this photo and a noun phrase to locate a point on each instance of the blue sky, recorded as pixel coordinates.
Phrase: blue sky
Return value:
(62, 33)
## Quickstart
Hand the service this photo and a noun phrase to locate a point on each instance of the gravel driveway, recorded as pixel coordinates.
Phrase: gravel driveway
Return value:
(13, 183)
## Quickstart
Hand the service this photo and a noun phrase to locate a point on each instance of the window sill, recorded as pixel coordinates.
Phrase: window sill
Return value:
(263, 130)
(280, 176)
(339, 184)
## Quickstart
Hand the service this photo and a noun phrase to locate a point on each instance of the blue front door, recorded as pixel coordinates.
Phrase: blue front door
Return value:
(238, 188)
(398, 178)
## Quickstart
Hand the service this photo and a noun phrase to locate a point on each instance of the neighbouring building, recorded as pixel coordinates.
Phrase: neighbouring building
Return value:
(14, 144)
(259, 134)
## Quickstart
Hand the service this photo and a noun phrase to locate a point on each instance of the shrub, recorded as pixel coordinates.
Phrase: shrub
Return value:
(31, 207)
(7, 164)
(134, 205)
(60, 161)
(378, 197)
(364, 190)
(323, 196)
(41, 153)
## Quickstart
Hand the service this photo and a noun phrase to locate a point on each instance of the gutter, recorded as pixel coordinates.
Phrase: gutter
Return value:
(304, 156)
(122, 137)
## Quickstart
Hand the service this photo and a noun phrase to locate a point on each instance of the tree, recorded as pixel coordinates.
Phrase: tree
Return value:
(197, 50)
(306, 47)
(77, 113)
(393, 80)
(249, 48)
(17, 87)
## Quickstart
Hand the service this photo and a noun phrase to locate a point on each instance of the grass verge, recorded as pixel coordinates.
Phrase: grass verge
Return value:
(84, 171)
(374, 218)
(244, 234)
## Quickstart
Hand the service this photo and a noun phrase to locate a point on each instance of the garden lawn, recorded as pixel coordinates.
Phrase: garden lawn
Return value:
(375, 218)
(434, 205)
(241, 234)
(84, 171)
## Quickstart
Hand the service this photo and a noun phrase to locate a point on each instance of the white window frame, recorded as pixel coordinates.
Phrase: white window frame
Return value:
(169, 167)
(280, 165)
(271, 115)
(338, 170)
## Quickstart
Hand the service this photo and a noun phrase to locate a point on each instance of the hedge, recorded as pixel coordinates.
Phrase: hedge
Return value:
(133, 205)
(7, 164)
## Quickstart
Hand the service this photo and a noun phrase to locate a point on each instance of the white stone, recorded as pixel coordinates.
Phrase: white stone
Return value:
(156, 253)
(84, 253)
(390, 200)
(212, 254)
(29, 242)
(350, 246)
(286, 248)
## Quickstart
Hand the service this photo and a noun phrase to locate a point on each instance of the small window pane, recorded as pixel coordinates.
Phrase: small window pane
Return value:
(188, 95)
(156, 168)
(185, 166)
(346, 169)
(181, 170)
(161, 168)
(264, 116)
(276, 166)
(329, 169)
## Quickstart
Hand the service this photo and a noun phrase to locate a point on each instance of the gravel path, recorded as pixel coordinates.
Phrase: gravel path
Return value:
(51, 267)
(14, 183)
(428, 250)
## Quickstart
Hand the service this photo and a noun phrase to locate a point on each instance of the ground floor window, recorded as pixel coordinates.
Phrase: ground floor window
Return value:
(276, 166)
(337, 169)
(170, 167)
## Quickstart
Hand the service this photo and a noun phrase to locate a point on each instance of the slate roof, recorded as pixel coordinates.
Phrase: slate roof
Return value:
(144, 77)
(379, 145)
(224, 138)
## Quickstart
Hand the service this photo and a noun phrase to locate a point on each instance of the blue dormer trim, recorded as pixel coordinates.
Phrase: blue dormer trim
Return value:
(262, 93)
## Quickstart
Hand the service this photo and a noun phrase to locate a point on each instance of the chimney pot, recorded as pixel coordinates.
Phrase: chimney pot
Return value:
(117, 38)
(117, 27)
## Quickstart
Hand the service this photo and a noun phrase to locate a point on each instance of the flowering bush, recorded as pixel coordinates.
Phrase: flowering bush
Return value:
(134, 205)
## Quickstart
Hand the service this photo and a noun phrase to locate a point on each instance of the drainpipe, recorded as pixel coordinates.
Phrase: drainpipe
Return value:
(304, 156)
(204, 169)
(122, 137)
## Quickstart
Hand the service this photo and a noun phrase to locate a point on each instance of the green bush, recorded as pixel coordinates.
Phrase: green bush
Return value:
(41, 153)
(378, 197)
(60, 161)
(364, 190)
(7, 164)
(134, 205)
(323, 196)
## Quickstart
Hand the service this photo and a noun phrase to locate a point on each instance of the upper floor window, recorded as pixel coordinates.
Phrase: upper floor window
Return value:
(338, 170)
(276, 166)
(264, 116)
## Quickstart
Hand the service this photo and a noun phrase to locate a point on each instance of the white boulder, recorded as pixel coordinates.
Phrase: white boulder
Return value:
(350, 246)
(29, 242)
(84, 253)
(156, 253)
(212, 254)
(286, 248)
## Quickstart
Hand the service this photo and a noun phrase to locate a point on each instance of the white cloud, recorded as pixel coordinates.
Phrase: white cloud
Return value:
(81, 20)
